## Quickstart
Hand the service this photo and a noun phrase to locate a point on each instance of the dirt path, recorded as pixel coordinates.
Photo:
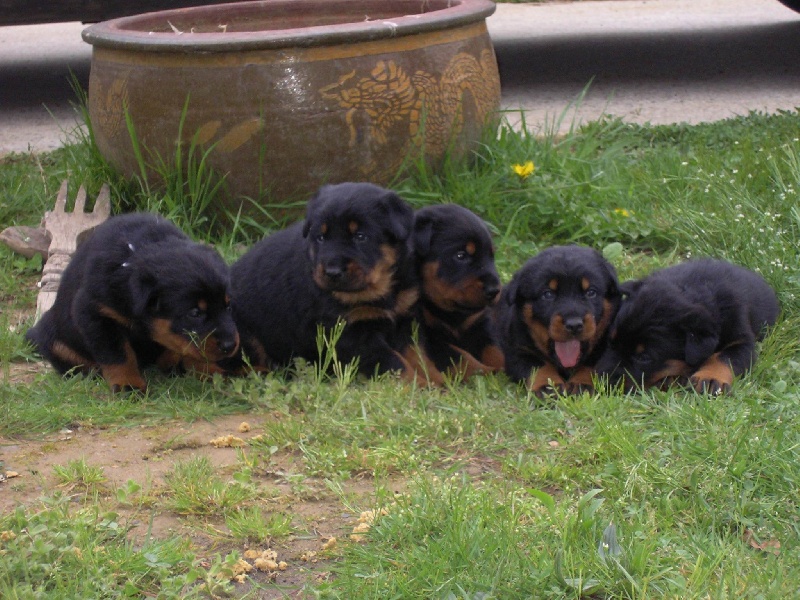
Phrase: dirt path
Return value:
(144, 454)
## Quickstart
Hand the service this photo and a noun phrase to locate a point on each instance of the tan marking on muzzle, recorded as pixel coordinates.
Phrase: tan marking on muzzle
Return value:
(672, 371)
(537, 330)
(559, 333)
(466, 293)
(161, 333)
(378, 281)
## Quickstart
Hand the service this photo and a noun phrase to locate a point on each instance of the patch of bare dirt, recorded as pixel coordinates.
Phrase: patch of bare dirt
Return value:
(144, 454)
(23, 373)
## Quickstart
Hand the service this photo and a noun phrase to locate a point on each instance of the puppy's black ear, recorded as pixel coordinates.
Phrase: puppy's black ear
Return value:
(142, 287)
(612, 291)
(400, 216)
(511, 291)
(629, 288)
(313, 206)
(702, 335)
(423, 232)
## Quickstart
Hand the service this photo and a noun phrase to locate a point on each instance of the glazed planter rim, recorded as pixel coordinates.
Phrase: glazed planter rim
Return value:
(144, 32)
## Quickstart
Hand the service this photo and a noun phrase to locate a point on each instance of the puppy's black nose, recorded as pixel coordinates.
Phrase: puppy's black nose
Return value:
(333, 272)
(491, 292)
(574, 325)
(226, 346)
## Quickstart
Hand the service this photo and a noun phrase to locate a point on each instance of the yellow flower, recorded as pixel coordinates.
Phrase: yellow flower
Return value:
(524, 170)
(622, 212)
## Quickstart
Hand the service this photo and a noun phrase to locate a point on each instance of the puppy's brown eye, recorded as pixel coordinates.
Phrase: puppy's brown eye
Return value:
(196, 313)
(320, 237)
(548, 294)
(360, 236)
(462, 255)
(590, 293)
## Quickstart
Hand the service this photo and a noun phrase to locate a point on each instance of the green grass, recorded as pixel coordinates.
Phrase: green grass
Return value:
(504, 495)
(194, 489)
(252, 524)
(60, 552)
(80, 474)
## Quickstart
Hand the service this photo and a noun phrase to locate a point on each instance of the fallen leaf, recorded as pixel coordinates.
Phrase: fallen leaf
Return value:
(771, 546)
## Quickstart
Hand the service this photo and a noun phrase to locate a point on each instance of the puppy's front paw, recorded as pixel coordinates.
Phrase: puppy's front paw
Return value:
(122, 378)
(548, 390)
(580, 381)
(713, 387)
(547, 382)
(714, 377)
(579, 387)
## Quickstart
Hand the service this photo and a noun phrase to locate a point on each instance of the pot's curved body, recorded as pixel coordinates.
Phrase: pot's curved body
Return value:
(290, 94)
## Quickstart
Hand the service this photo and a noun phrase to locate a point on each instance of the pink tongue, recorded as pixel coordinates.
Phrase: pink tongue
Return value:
(568, 353)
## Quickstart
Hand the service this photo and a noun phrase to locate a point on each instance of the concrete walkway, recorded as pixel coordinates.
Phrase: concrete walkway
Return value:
(657, 61)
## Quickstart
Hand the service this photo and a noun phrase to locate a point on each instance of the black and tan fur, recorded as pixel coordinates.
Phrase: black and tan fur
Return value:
(553, 318)
(138, 292)
(694, 323)
(349, 260)
(454, 258)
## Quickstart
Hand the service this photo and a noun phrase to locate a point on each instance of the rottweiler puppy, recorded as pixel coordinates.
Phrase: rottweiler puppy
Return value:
(554, 317)
(138, 292)
(696, 322)
(454, 257)
(349, 260)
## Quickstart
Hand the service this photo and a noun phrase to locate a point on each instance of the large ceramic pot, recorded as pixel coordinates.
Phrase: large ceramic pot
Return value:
(290, 94)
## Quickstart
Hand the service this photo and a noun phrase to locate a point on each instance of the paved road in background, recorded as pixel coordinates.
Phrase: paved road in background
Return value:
(658, 61)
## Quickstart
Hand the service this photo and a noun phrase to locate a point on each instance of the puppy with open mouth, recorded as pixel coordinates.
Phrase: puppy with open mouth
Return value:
(553, 318)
